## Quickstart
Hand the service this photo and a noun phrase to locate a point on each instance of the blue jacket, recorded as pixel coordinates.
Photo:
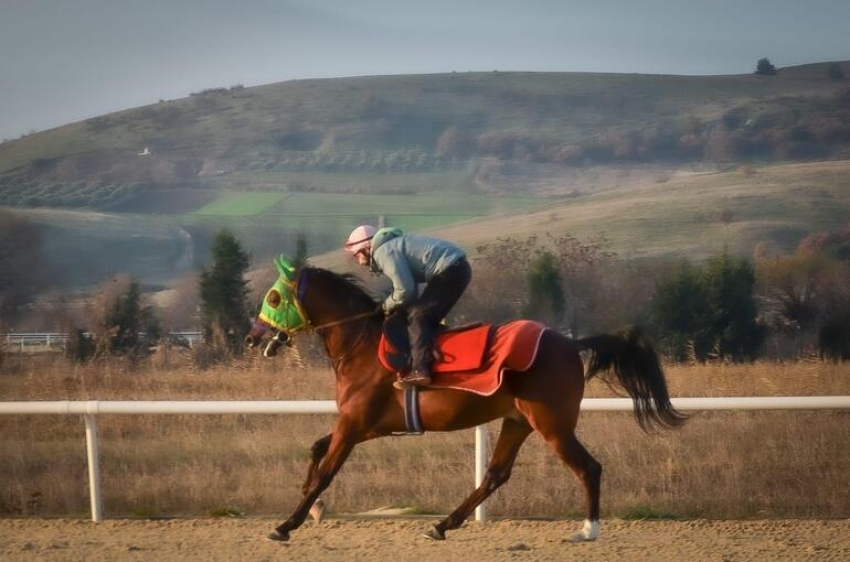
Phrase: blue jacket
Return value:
(410, 259)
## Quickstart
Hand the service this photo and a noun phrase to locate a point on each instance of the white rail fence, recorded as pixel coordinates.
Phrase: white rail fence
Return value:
(24, 341)
(90, 409)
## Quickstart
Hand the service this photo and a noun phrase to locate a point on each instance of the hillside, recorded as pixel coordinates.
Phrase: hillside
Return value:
(693, 214)
(651, 164)
(337, 134)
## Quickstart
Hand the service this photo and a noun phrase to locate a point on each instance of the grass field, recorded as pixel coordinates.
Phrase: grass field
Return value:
(636, 212)
(693, 214)
(720, 465)
(241, 204)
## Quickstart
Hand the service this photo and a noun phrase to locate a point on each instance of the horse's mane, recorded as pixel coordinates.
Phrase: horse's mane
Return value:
(343, 286)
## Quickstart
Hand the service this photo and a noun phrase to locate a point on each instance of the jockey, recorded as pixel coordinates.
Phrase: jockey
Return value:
(407, 260)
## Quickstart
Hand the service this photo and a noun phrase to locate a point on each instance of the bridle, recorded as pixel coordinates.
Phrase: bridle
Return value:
(307, 326)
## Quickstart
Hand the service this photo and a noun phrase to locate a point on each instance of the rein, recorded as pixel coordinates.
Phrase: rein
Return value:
(343, 321)
(336, 361)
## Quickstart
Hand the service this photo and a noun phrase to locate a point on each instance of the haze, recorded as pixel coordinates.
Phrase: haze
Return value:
(67, 61)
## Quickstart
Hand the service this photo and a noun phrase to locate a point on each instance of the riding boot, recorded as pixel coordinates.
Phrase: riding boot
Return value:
(421, 350)
(417, 377)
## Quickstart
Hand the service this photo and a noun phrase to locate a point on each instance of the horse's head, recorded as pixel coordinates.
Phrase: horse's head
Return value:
(309, 298)
(281, 312)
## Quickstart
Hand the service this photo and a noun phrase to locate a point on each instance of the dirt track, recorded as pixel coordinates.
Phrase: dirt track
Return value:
(399, 540)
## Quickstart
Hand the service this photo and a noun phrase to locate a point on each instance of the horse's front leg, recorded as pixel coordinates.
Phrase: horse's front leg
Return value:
(318, 452)
(340, 446)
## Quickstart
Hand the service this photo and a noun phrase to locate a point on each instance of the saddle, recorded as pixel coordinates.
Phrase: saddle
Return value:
(456, 349)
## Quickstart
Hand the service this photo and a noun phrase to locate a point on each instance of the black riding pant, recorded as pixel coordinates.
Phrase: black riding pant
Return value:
(432, 306)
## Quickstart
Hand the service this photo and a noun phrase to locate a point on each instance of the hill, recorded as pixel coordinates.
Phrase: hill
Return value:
(652, 164)
(336, 135)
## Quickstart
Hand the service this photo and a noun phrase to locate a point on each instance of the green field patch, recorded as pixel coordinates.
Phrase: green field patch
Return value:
(447, 205)
(241, 204)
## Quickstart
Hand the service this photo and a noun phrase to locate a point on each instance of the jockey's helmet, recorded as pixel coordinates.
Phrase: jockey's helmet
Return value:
(359, 238)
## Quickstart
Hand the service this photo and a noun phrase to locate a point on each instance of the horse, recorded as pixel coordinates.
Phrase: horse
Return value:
(545, 398)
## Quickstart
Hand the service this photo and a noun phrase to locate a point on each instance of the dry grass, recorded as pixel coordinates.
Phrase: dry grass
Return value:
(722, 464)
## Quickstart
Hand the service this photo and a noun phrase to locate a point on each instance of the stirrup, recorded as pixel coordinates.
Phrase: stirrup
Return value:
(412, 381)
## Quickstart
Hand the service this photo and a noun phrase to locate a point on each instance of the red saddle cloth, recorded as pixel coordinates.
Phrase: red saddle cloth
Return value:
(475, 359)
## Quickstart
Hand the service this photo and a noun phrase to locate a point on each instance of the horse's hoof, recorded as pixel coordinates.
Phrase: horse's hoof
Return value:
(435, 534)
(279, 536)
(318, 510)
(588, 533)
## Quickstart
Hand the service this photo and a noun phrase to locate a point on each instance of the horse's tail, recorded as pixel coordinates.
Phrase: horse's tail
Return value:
(638, 370)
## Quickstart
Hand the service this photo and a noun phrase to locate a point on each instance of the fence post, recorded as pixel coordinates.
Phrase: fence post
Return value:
(94, 468)
(481, 445)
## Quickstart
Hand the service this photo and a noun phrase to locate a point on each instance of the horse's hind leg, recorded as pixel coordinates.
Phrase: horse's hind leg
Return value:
(511, 437)
(588, 470)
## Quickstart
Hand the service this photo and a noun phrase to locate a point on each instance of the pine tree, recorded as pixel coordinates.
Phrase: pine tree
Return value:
(223, 293)
(124, 320)
(765, 68)
(710, 311)
(680, 309)
(730, 284)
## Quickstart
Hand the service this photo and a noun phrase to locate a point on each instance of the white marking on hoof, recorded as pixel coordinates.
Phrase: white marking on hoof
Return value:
(317, 511)
(588, 533)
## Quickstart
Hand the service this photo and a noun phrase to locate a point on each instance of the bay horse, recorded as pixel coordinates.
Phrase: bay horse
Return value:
(545, 398)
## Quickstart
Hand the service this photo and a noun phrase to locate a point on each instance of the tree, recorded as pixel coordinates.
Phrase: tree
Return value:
(546, 295)
(805, 299)
(765, 68)
(122, 323)
(795, 290)
(679, 310)
(124, 320)
(223, 292)
(709, 311)
(501, 284)
(730, 284)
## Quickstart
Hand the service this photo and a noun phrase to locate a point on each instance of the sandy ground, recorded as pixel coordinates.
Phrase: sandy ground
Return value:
(400, 540)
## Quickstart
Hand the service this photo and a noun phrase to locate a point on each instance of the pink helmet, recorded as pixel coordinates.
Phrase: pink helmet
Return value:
(359, 238)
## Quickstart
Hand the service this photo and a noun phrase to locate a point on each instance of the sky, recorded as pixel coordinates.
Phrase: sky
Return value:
(66, 60)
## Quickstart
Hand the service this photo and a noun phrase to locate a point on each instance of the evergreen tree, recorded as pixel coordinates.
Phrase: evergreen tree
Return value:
(546, 294)
(709, 311)
(124, 320)
(730, 284)
(765, 68)
(223, 293)
(679, 311)
(123, 324)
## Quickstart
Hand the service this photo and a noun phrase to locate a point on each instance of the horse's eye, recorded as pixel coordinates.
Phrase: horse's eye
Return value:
(273, 298)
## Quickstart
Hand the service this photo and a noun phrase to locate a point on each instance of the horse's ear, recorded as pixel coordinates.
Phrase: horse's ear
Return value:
(286, 269)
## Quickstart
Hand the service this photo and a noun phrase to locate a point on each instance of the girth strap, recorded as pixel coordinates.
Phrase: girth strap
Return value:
(412, 420)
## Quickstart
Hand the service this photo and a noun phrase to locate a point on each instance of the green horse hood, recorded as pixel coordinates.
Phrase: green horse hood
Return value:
(281, 309)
